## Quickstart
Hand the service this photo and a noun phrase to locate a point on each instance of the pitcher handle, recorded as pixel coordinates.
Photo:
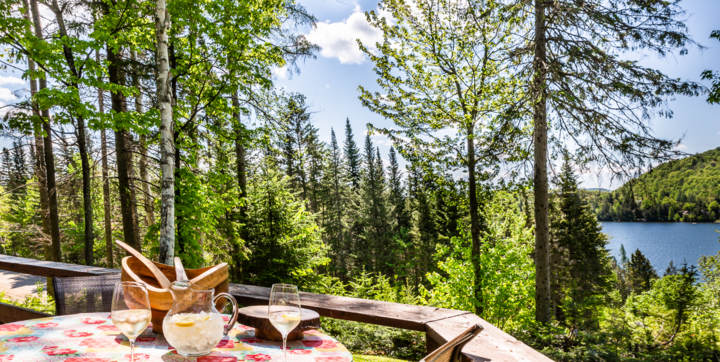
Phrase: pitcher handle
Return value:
(234, 317)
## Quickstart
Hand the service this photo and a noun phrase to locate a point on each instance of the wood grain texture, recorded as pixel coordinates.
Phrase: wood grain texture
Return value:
(49, 268)
(257, 317)
(396, 315)
(11, 313)
(159, 276)
(492, 344)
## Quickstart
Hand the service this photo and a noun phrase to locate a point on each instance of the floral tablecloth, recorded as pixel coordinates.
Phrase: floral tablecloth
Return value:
(93, 337)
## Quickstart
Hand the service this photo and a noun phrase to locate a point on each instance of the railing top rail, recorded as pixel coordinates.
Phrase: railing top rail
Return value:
(439, 324)
(405, 316)
(49, 268)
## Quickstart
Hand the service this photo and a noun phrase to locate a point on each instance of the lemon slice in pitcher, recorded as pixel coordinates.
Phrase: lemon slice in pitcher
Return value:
(189, 319)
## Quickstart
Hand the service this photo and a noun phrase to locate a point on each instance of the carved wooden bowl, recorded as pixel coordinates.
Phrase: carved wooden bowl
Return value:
(160, 299)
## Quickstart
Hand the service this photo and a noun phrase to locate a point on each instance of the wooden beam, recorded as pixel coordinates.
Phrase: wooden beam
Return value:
(396, 315)
(49, 268)
(492, 344)
(12, 313)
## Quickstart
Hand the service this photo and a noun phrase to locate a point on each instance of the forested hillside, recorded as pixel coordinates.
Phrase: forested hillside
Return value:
(686, 190)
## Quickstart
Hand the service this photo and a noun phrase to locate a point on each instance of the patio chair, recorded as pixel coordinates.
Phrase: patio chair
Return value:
(84, 294)
(450, 351)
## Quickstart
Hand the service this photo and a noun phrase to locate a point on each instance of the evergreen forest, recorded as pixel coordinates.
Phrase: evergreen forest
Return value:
(160, 124)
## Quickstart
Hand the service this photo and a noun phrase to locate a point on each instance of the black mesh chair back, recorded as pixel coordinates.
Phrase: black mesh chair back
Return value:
(84, 294)
(450, 351)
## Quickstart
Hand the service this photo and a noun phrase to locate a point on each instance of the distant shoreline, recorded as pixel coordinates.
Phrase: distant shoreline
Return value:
(717, 222)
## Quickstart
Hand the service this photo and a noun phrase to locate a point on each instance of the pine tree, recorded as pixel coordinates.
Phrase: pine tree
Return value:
(352, 157)
(581, 78)
(400, 217)
(580, 277)
(374, 251)
(640, 272)
(334, 201)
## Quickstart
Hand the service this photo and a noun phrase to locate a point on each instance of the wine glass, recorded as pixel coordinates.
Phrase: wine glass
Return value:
(130, 311)
(284, 311)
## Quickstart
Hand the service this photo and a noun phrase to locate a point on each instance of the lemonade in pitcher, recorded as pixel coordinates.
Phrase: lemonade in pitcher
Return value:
(193, 326)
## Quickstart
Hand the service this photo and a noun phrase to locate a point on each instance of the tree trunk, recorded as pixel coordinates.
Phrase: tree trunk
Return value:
(54, 222)
(167, 144)
(87, 196)
(240, 162)
(39, 149)
(543, 307)
(142, 144)
(132, 147)
(147, 198)
(106, 180)
(122, 154)
(474, 224)
(241, 169)
(82, 143)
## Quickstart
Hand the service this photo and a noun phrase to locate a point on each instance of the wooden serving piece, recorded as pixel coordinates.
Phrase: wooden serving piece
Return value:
(180, 275)
(161, 278)
(256, 316)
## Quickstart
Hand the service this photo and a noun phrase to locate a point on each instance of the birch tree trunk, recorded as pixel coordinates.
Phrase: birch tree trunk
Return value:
(167, 147)
(53, 220)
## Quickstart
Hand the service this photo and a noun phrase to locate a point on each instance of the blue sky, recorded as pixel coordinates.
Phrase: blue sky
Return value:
(330, 82)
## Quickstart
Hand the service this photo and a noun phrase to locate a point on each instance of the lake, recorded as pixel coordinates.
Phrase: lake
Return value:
(662, 242)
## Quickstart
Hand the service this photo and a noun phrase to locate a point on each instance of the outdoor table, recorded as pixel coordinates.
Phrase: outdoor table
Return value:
(93, 337)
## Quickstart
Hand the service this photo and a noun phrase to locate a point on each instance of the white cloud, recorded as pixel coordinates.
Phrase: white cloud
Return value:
(338, 39)
(11, 80)
(681, 147)
(6, 95)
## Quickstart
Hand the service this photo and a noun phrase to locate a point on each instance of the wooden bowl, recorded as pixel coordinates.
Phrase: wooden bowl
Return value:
(256, 316)
(160, 299)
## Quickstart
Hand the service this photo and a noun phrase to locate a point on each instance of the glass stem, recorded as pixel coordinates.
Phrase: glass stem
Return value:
(132, 350)
(284, 350)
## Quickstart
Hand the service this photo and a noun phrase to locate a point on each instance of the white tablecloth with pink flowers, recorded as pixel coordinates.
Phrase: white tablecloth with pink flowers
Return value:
(93, 337)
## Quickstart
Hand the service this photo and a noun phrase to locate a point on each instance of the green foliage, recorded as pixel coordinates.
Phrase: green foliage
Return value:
(713, 76)
(283, 240)
(40, 301)
(508, 268)
(581, 273)
(681, 190)
(640, 272)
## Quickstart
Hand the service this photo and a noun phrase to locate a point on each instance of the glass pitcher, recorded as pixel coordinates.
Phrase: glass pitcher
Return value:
(192, 325)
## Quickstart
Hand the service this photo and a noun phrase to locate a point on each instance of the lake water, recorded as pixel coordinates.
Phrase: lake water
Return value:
(662, 242)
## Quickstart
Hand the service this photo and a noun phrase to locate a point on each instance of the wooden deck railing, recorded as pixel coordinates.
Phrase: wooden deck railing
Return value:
(439, 324)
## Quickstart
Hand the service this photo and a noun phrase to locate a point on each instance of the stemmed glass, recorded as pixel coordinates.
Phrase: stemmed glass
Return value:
(130, 311)
(284, 311)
